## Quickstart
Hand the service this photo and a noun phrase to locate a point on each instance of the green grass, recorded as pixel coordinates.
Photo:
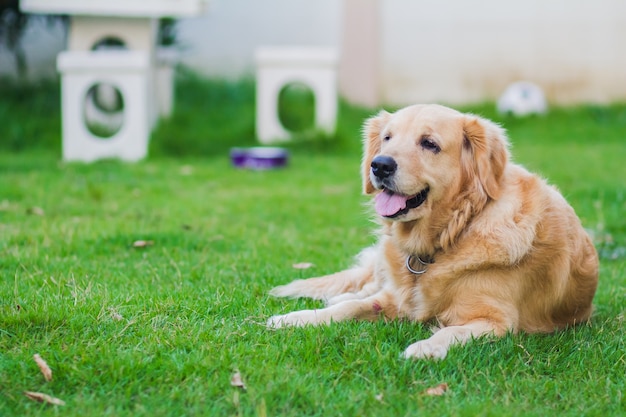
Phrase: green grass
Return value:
(158, 331)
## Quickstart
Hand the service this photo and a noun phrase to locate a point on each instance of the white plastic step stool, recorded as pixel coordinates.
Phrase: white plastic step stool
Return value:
(127, 71)
(278, 67)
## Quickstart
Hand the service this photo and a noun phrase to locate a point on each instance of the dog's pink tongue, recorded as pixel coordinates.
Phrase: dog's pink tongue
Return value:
(387, 204)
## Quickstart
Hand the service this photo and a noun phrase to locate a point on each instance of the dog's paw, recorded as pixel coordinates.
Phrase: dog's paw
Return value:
(295, 319)
(426, 349)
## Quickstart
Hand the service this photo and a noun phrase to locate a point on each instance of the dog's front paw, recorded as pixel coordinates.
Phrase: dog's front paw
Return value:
(295, 319)
(426, 349)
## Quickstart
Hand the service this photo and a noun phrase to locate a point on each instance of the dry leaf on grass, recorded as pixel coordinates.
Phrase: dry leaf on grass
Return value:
(43, 398)
(236, 381)
(438, 390)
(303, 265)
(43, 367)
(142, 243)
(116, 316)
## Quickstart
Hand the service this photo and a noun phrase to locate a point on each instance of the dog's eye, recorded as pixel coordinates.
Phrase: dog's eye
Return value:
(387, 137)
(429, 145)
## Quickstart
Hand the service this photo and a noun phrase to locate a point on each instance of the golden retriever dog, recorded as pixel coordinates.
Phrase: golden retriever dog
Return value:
(468, 240)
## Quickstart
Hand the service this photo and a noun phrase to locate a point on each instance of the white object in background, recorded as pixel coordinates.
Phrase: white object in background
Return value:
(144, 79)
(129, 73)
(166, 60)
(522, 98)
(134, 33)
(278, 67)
(127, 8)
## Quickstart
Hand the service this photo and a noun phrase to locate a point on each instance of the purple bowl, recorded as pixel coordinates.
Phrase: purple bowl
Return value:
(238, 156)
(259, 158)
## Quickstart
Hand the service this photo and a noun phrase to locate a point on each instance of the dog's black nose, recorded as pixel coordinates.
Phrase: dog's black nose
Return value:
(383, 166)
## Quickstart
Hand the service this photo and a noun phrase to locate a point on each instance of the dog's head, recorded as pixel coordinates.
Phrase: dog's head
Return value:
(426, 155)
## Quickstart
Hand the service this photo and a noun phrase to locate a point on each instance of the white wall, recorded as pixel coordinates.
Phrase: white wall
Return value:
(469, 50)
(451, 51)
(222, 43)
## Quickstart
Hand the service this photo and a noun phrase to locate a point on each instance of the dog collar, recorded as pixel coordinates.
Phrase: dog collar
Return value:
(423, 265)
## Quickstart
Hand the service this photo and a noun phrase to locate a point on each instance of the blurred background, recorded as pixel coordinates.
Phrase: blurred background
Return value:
(392, 52)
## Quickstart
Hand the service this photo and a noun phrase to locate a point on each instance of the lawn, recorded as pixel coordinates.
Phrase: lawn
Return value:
(159, 330)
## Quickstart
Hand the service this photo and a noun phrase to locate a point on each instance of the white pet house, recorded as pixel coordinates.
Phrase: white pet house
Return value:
(278, 67)
(129, 76)
(126, 72)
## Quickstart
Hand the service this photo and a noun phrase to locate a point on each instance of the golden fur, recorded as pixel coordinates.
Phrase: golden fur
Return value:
(509, 253)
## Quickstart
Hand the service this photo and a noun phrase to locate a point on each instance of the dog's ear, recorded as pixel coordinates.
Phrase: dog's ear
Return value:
(371, 146)
(485, 154)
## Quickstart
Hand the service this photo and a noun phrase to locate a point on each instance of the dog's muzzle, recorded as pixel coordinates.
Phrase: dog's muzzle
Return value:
(383, 166)
(391, 203)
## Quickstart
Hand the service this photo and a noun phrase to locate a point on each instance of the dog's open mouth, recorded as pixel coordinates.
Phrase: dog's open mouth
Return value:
(389, 204)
